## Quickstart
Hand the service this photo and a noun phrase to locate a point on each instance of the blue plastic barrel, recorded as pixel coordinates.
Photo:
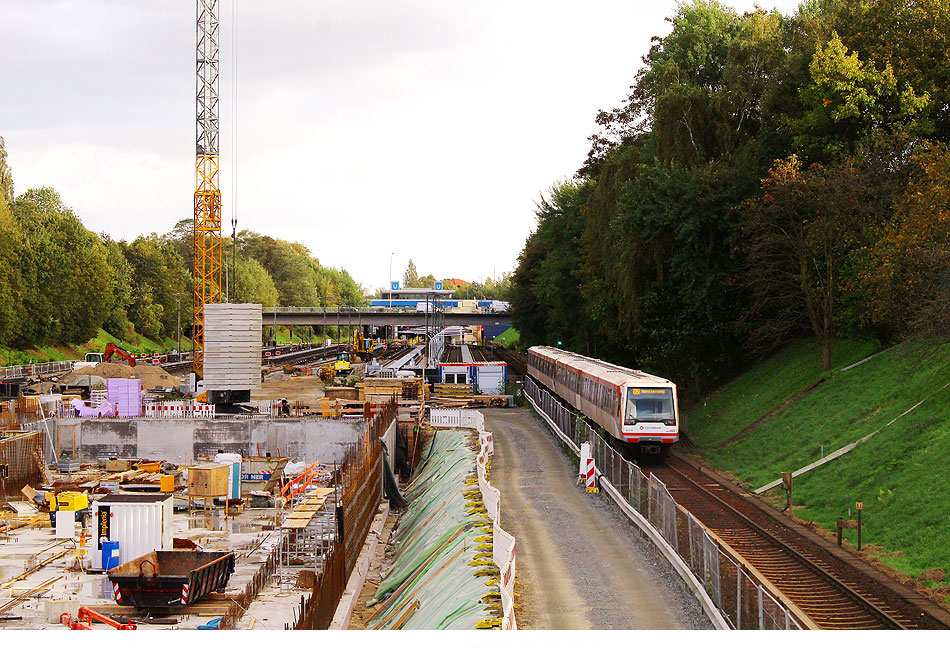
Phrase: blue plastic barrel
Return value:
(110, 555)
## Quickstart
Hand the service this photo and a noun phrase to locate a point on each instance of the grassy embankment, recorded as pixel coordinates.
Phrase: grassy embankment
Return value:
(302, 334)
(139, 345)
(899, 474)
(508, 338)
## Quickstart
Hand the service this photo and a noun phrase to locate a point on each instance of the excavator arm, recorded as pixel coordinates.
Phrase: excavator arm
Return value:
(114, 349)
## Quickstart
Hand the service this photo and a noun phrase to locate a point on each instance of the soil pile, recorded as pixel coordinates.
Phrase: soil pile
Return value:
(152, 377)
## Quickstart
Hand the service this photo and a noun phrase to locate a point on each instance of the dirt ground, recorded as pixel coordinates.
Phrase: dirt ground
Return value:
(361, 613)
(152, 376)
(290, 388)
(581, 565)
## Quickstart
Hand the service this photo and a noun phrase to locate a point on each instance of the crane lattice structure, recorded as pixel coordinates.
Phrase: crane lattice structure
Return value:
(207, 229)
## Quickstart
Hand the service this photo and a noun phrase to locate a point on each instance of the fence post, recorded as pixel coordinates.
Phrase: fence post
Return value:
(739, 598)
(761, 611)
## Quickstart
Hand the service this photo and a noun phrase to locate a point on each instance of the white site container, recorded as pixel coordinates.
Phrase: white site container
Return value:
(233, 461)
(454, 372)
(490, 377)
(140, 523)
(232, 347)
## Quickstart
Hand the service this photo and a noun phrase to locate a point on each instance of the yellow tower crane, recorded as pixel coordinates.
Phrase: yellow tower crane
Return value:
(207, 227)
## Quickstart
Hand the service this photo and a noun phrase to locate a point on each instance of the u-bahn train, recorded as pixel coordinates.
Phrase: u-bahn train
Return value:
(639, 411)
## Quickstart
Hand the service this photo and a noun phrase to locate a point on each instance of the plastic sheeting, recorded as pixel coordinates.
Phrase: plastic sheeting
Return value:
(105, 409)
(443, 576)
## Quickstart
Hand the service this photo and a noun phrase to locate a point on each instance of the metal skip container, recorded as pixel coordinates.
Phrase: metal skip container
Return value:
(168, 579)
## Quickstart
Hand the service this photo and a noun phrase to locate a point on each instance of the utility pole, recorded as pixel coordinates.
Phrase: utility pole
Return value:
(234, 254)
(391, 280)
(178, 296)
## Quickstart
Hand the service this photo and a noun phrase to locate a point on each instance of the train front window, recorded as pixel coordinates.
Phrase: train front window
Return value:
(649, 405)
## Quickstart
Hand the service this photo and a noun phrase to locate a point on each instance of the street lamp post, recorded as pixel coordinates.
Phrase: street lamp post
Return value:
(232, 287)
(391, 279)
(178, 296)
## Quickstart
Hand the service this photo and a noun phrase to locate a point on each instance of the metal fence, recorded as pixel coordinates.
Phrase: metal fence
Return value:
(18, 371)
(738, 596)
(361, 476)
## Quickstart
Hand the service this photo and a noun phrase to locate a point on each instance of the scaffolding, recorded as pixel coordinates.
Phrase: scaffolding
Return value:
(309, 532)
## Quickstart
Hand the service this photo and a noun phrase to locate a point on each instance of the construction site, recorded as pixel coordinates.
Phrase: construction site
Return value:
(129, 503)
(244, 486)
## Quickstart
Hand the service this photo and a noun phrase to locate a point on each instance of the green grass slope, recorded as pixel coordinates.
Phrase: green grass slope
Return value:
(139, 345)
(899, 474)
(508, 337)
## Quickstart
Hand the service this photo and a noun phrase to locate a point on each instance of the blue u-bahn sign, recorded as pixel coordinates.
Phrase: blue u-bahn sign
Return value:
(438, 285)
(395, 285)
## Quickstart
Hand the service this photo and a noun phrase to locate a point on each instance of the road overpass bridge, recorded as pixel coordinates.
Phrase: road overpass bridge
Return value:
(346, 316)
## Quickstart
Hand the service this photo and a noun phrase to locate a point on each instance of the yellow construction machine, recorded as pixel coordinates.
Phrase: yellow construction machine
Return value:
(342, 364)
(362, 347)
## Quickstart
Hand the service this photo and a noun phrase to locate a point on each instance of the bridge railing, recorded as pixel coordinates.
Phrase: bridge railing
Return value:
(738, 596)
(357, 310)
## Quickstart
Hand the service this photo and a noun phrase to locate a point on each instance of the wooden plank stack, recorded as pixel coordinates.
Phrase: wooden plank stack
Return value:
(454, 390)
(384, 388)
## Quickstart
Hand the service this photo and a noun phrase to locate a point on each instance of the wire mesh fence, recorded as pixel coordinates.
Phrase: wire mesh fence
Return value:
(740, 599)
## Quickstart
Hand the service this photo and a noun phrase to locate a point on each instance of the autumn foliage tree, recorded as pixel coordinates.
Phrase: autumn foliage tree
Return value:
(906, 271)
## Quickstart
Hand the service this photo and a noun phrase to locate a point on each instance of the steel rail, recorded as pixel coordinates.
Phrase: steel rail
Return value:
(878, 614)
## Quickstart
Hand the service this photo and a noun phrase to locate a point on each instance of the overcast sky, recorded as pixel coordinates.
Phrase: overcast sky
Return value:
(425, 128)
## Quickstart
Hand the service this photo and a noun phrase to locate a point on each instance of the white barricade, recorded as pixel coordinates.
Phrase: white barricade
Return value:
(503, 545)
(456, 417)
(503, 555)
(444, 417)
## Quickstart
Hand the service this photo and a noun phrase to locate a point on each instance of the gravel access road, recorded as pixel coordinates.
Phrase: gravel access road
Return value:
(580, 563)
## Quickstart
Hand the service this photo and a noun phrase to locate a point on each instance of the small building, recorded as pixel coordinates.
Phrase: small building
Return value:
(488, 377)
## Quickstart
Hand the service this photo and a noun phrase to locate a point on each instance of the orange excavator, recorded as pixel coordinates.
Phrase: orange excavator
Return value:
(114, 349)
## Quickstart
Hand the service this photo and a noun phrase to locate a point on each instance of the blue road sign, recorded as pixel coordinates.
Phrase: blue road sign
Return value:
(438, 285)
(395, 285)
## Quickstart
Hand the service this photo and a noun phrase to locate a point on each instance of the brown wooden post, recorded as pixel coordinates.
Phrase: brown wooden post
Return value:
(787, 484)
(840, 528)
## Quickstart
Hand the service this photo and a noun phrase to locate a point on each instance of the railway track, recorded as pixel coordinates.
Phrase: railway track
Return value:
(516, 362)
(830, 591)
(290, 357)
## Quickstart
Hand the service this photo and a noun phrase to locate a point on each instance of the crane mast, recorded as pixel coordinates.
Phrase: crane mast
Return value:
(207, 226)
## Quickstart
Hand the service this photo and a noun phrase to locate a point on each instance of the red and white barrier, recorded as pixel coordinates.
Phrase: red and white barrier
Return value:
(586, 473)
(178, 410)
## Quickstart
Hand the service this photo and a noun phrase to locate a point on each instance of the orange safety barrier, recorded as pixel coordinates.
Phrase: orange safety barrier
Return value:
(299, 477)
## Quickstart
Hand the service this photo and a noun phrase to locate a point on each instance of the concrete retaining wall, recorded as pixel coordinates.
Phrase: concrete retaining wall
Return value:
(181, 441)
